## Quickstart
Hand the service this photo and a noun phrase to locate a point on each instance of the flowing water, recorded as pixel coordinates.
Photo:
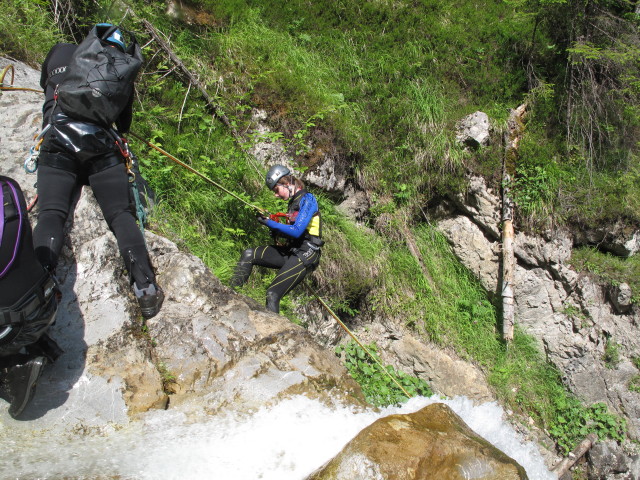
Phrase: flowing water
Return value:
(285, 442)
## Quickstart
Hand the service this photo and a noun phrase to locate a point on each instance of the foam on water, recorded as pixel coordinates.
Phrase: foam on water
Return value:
(285, 442)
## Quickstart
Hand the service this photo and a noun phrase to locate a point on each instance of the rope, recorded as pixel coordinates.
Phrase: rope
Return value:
(32, 204)
(352, 335)
(193, 170)
(10, 87)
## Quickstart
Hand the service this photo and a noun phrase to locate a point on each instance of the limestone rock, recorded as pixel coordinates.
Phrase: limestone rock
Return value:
(618, 239)
(474, 130)
(620, 296)
(473, 249)
(570, 315)
(355, 205)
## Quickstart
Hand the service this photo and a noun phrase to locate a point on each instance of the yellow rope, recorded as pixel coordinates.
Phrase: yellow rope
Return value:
(193, 170)
(346, 329)
(5, 70)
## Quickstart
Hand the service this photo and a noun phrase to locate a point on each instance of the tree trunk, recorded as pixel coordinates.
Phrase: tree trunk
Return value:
(193, 80)
(512, 138)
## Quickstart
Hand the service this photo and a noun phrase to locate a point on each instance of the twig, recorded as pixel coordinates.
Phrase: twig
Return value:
(182, 108)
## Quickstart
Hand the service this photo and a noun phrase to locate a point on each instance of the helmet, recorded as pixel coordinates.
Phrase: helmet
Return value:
(275, 173)
(115, 37)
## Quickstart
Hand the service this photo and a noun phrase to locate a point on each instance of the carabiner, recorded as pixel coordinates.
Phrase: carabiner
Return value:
(31, 162)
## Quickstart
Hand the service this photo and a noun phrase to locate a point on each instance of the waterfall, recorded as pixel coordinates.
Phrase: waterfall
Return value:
(286, 441)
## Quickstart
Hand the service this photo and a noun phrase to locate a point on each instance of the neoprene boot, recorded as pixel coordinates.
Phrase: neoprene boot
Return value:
(47, 347)
(273, 302)
(150, 299)
(243, 269)
(21, 383)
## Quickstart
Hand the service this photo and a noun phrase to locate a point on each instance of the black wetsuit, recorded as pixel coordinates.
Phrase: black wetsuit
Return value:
(76, 153)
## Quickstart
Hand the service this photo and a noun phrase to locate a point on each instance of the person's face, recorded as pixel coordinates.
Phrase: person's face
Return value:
(281, 191)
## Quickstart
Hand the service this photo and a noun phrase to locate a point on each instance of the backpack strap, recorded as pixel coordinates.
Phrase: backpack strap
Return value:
(13, 197)
(1, 211)
(42, 292)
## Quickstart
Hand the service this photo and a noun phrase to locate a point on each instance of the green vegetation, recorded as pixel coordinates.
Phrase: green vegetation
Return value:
(611, 357)
(379, 86)
(576, 422)
(27, 30)
(378, 387)
(168, 378)
(634, 383)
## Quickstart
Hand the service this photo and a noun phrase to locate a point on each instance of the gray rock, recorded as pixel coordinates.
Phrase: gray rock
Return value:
(571, 315)
(474, 130)
(621, 297)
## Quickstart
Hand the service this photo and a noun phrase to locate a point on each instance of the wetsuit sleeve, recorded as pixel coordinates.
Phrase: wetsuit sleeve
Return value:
(308, 208)
(44, 73)
(58, 57)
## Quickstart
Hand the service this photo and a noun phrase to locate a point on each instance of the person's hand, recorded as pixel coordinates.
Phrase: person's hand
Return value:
(261, 219)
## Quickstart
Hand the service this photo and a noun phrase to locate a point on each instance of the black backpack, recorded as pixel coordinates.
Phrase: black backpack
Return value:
(28, 302)
(98, 82)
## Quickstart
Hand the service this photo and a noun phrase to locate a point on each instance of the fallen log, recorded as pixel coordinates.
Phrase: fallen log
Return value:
(583, 447)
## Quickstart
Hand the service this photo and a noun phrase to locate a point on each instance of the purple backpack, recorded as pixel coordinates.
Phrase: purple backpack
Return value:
(11, 207)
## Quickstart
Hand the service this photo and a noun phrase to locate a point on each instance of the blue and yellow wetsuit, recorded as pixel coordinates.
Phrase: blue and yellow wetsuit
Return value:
(300, 254)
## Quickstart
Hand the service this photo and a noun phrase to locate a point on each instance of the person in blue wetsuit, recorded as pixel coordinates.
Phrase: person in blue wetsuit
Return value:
(303, 239)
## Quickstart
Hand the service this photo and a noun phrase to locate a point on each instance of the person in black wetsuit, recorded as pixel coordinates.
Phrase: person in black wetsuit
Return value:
(302, 232)
(75, 153)
(28, 303)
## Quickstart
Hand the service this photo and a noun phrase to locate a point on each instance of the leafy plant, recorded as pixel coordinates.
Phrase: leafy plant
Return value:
(28, 30)
(167, 377)
(377, 385)
(576, 421)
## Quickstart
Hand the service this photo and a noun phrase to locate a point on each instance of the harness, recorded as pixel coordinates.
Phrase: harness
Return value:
(307, 247)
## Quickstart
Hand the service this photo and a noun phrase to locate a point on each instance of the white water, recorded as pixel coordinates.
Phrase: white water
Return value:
(284, 442)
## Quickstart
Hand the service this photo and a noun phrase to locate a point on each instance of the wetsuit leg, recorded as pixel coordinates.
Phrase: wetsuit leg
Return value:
(291, 274)
(56, 189)
(265, 256)
(111, 189)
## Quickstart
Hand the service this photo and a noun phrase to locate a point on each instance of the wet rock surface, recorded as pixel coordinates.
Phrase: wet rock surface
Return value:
(432, 443)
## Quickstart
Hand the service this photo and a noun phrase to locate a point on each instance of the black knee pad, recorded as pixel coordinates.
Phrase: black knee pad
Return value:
(247, 255)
